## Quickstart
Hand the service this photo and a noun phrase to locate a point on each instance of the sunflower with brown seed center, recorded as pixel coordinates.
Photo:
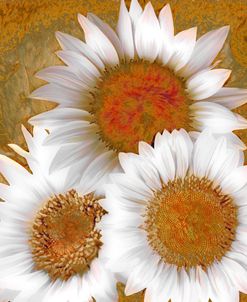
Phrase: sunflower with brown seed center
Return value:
(49, 224)
(176, 217)
(121, 87)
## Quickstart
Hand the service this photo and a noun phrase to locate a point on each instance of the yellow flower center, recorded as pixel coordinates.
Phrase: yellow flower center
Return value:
(190, 223)
(134, 101)
(63, 237)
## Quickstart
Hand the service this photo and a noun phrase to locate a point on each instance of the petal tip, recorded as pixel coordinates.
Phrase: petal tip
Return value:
(228, 73)
(31, 95)
(129, 290)
(168, 6)
(149, 8)
(226, 28)
(38, 74)
(166, 10)
(58, 34)
(194, 29)
(81, 19)
(23, 128)
(31, 121)
(135, 3)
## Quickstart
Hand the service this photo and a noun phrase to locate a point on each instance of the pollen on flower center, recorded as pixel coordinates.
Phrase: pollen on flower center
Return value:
(63, 238)
(134, 101)
(189, 223)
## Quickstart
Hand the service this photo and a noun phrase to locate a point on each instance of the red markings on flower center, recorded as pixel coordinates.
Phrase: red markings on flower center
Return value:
(137, 100)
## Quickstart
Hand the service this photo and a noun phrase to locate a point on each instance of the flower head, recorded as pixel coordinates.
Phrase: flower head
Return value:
(51, 244)
(121, 87)
(176, 224)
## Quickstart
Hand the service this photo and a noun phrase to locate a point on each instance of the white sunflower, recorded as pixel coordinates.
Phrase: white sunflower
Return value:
(122, 87)
(177, 219)
(50, 243)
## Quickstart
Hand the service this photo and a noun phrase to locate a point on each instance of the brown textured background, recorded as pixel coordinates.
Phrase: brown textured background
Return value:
(27, 44)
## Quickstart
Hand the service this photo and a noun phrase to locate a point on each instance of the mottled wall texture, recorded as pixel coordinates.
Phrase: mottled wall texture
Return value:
(28, 44)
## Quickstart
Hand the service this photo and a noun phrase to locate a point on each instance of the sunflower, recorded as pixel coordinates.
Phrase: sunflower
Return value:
(177, 219)
(50, 242)
(121, 87)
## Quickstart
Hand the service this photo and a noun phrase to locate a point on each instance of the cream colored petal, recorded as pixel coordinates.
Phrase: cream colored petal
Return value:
(99, 42)
(125, 32)
(147, 34)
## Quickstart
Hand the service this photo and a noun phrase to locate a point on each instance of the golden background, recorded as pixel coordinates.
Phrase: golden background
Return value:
(28, 44)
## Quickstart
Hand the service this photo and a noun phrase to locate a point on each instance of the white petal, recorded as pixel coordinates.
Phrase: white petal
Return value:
(68, 154)
(115, 200)
(241, 234)
(59, 116)
(170, 279)
(142, 275)
(236, 273)
(215, 117)
(240, 196)
(238, 257)
(68, 42)
(135, 11)
(205, 51)
(225, 164)
(16, 283)
(4, 191)
(229, 97)
(66, 97)
(7, 295)
(164, 159)
(32, 287)
(167, 34)
(133, 165)
(183, 45)
(72, 134)
(125, 33)
(31, 143)
(53, 292)
(99, 42)
(182, 148)
(146, 150)
(206, 83)
(102, 282)
(235, 180)
(62, 76)
(130, 258)
(221, 160)
(238, 246)
(201, 284)
(109, 33)
(130, 184)
(19, 150)
(97, 172)
(221, 286)
(184, 285)
(12, 171)
(73, 290)
(127, 161)
(82, 67)
(203, 149)
(147, 34)
(234, 140)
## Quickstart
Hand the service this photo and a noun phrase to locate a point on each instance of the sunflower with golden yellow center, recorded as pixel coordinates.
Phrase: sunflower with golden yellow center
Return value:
(121, 87)
(176, 222)
(50, 241)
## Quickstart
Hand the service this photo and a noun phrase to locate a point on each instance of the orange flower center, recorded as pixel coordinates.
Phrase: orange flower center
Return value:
(63, 238)
(191, 223)
(134, 101)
